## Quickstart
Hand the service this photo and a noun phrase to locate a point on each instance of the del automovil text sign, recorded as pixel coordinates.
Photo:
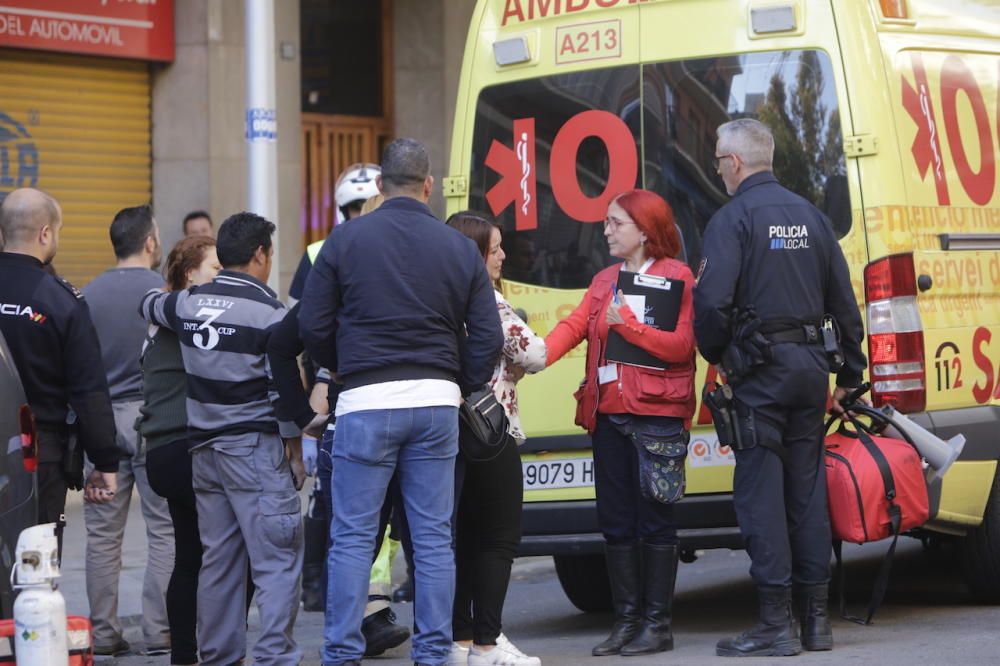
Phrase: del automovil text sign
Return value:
(141, 29)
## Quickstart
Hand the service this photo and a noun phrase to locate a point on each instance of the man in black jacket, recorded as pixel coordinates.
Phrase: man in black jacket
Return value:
(772, 271)
(402, 307)
(50, 334)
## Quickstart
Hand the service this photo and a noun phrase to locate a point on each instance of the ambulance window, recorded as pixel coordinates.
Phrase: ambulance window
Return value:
(790, 91)
(546, 246)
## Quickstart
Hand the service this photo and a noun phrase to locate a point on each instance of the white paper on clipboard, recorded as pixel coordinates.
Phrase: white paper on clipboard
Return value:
(652, 281)
(637, 304)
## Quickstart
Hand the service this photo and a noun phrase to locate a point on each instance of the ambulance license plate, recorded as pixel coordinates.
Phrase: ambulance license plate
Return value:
(558, 473)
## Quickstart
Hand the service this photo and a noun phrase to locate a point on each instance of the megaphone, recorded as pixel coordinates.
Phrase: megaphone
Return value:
(938, 453)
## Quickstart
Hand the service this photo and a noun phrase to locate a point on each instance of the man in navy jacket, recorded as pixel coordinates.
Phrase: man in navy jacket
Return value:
(402, 307)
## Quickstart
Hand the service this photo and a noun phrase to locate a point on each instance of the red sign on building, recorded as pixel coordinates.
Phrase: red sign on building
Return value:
(141, 29)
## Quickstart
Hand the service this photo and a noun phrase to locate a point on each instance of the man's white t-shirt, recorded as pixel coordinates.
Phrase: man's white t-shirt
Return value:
(403, 394)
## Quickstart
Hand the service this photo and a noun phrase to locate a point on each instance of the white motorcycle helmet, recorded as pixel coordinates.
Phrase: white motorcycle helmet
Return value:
(355, 186)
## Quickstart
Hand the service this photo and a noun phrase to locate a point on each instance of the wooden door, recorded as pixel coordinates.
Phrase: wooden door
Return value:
(330, 144)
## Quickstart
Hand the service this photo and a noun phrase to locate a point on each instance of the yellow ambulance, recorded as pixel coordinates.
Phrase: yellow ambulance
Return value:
(885, 115)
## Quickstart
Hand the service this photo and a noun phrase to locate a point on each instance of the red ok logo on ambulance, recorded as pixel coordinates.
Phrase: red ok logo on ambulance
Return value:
(519, 177)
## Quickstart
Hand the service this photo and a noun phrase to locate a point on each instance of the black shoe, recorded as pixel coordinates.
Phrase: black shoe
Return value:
(810, 609)
(315, 531)
(116, 649)
(623, 572)
(404, 593)
(382, 633)
(659, 572)
(312, 595)
(776, 633)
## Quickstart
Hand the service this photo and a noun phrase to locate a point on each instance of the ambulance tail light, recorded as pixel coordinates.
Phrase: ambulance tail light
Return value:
(895, 334)
(29, 439)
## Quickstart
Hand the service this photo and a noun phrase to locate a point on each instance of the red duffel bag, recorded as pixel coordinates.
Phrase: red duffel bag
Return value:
(876, 490)
(875, 485)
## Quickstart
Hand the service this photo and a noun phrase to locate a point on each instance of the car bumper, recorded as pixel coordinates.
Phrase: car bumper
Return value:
(570, 528)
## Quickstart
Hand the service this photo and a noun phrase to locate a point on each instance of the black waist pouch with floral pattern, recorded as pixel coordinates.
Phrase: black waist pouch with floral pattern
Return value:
(661, 465)
(661, 445)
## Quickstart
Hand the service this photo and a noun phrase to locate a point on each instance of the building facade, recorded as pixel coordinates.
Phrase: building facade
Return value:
(108, 105)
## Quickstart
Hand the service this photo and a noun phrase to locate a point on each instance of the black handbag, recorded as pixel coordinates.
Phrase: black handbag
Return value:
(482, 426)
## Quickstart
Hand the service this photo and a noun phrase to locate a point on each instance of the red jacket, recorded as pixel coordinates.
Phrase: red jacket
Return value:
(638, 390)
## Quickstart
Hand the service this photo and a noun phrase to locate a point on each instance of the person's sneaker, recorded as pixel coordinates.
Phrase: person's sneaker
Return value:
(157, 650)
(116, 649)
(459, 655)
(382, 633)
(504, 653)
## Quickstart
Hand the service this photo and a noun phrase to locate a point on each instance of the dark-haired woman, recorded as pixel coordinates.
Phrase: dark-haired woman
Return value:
(163, 426)
(490, 494)
(624, 407)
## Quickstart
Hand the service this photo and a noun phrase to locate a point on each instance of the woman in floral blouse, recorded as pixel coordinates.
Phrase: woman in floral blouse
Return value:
(488, 522)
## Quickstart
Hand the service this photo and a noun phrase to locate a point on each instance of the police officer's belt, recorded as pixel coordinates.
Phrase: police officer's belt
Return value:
(804, 334)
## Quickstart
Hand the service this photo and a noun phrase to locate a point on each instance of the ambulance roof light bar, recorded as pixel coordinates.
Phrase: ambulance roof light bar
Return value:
(894, 9)
(766, 20)
(512, 51)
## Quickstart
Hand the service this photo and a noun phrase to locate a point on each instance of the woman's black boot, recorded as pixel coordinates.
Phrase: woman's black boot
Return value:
(659, 572)
(623, 572)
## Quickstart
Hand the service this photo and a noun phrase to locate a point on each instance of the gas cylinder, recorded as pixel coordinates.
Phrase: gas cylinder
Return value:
(39, 610)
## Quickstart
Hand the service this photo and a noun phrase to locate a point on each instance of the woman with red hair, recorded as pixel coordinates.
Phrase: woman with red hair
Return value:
(638, 418)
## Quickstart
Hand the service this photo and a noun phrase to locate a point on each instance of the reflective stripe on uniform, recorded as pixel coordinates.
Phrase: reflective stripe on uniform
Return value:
(313, 250)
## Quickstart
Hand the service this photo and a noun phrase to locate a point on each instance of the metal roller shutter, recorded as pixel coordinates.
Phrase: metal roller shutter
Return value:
(86, 124)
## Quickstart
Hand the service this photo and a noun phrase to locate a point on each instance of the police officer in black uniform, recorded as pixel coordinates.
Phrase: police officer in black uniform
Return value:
(47, 326)
(772, 273)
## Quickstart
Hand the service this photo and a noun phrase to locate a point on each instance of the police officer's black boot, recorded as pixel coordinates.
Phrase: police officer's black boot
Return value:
(623, 572)
(810, 608)
(659, 572)
(776, 633)
(314, 535)
(381, 631)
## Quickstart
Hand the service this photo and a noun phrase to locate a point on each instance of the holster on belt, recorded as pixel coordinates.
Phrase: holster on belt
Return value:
(748, 349)
(73, 462)
(721, 405)
(58, 443)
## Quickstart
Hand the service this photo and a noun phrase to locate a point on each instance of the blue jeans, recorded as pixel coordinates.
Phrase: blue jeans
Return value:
(419, 445)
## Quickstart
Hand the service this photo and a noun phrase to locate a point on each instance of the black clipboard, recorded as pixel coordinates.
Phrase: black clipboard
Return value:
(662, 309)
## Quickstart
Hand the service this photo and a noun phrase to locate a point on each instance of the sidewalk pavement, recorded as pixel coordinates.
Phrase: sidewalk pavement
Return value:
(308, 626)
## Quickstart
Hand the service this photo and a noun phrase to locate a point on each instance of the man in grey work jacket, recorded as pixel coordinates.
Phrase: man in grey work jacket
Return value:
(402, 307)
(112, 298)
(248, 505)
(771, 252)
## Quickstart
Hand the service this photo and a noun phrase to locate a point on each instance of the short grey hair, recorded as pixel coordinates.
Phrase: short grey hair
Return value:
(749, 139)
(405, 165)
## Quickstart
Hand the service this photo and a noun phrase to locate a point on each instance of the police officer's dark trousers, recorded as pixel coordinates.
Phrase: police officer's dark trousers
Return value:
(779, 492)
(52, 443)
